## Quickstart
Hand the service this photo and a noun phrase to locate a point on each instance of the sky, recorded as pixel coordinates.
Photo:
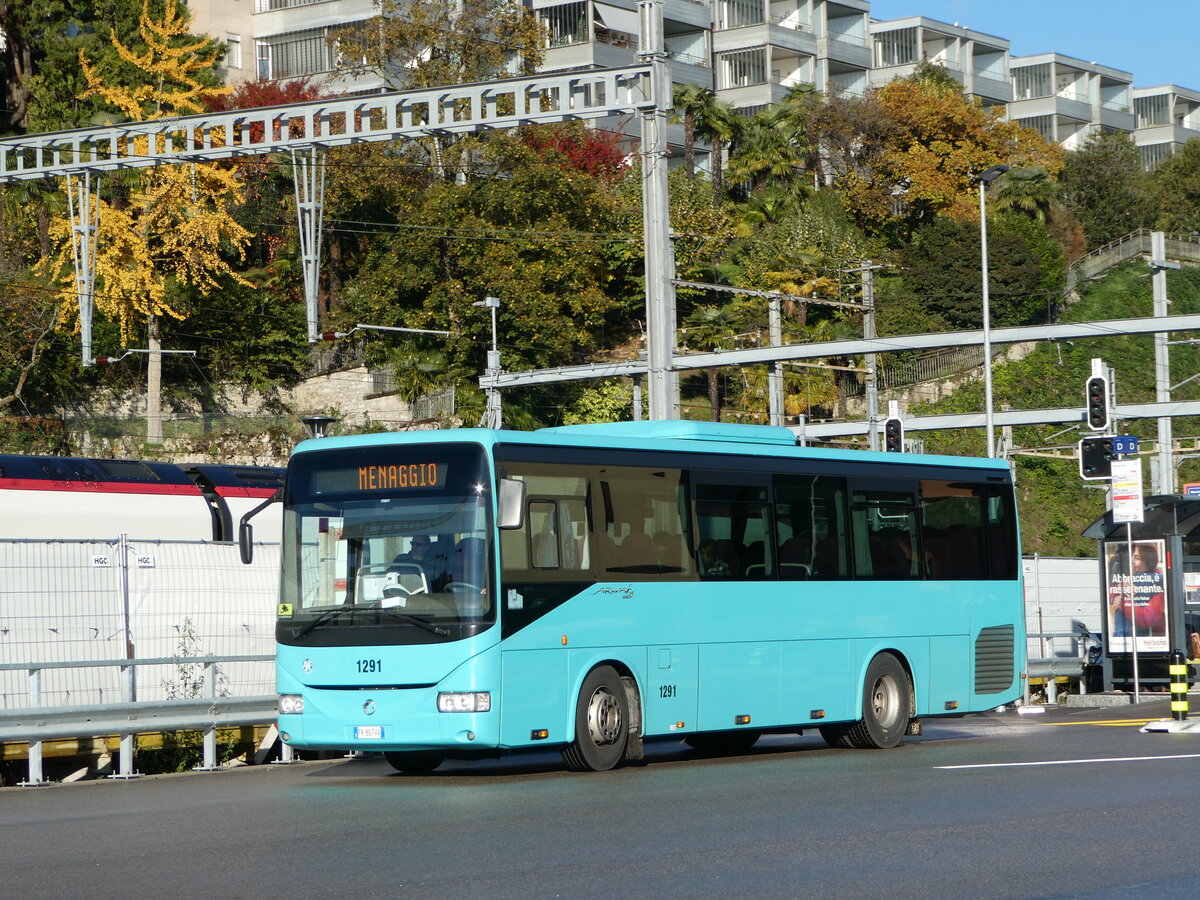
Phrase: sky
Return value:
(1156, 40)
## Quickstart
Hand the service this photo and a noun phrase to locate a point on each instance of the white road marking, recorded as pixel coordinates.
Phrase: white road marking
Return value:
(1071, 762)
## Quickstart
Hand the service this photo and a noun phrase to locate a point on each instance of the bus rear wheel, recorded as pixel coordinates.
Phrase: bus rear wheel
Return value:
(414, 761)
(836, 735)
(601, 723)
(887, 705)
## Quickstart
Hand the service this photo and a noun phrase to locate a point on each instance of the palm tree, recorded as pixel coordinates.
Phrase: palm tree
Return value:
(764, 208)
(41, 197)
(776, 145)
(710, 328)
(1030, 192)
(691, 100)
(720, 125)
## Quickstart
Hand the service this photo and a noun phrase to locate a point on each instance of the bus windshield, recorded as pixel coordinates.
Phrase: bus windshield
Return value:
(386, 546)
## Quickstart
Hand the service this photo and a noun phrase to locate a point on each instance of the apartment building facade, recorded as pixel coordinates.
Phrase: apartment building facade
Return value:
(751, 53)
(1168, 116)
(1067, 99)
(977, 61)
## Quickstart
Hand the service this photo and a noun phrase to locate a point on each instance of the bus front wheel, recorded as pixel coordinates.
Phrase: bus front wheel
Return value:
(415, 761)
(601, 723)
(887, 705)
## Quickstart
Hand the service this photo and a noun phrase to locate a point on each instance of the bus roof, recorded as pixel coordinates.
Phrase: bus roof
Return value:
(676, 435)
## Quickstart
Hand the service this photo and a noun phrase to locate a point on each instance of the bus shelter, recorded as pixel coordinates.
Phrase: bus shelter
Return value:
(1150, 589)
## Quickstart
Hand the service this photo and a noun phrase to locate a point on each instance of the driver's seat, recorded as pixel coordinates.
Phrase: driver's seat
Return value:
(468, 560)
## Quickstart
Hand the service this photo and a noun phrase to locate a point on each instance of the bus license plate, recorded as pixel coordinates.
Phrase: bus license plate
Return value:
(368, 732)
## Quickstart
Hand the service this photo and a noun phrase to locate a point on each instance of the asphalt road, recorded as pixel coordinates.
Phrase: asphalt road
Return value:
(1070, 803)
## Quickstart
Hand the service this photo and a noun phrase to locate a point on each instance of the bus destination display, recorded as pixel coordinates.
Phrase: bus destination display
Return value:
(381, 477)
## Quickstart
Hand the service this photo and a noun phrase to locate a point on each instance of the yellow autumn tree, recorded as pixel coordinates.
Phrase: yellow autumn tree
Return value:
(172, 226)
(936, 140)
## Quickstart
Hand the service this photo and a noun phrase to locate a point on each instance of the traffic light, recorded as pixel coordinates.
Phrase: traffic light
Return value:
(893, 435)
(1097, 403)
(1095, 458)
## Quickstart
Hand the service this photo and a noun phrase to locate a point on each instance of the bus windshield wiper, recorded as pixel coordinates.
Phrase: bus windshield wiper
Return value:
(419, 621)
(328, 616)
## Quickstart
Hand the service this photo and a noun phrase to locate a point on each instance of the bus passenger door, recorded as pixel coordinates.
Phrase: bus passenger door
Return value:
(670, 701)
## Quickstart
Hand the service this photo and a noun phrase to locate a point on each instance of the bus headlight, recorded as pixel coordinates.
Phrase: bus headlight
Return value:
(291, 704)
(465, 702)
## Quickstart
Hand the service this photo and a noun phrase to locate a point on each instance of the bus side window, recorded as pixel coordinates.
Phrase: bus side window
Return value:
(543, 533)
(641, 529)
(733, 524)
(887, 543)
(811, 530)
(1004, 563)
(953, 529)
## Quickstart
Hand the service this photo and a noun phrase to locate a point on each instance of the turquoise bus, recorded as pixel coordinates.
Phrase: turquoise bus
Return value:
(463, 593)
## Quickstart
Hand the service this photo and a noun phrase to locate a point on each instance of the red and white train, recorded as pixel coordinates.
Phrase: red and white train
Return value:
(48, 497)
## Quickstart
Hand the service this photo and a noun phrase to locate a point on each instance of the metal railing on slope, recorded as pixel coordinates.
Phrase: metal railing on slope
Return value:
(37, 723)
(1182, 247)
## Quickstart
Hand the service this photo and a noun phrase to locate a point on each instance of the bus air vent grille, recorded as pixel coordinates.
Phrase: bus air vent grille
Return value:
(994, 659)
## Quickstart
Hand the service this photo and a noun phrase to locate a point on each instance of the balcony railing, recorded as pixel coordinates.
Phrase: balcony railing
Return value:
(690, 59)
(262, 6)
(1077, 96)
(786, 20)
(854, 40)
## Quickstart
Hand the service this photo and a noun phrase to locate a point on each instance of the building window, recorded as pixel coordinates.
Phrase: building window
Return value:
(297, 53)
(233, 51)
(1043, 125)
(564, 25)
(739, 13)
(1031, 81)
(690, 48)
(851, 29)
(1152, 110)
(1154, 155)
(896, 48)
(740, 68)
(262, 6)
(989, 65)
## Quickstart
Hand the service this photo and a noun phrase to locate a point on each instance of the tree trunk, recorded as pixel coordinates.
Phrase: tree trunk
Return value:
(153, 383)
(714, 395)
(689, 144)
(718, 171)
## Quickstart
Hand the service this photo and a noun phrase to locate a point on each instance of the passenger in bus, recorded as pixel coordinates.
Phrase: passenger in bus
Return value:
(710, 560)
(897, 559)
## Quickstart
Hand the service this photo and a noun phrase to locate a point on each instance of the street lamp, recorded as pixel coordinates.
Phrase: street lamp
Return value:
(318, 426)
(986, 177)
(492, 418)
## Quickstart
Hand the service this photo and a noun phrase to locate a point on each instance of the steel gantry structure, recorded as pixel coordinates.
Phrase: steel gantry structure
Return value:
(1159, 324)
(307, 130)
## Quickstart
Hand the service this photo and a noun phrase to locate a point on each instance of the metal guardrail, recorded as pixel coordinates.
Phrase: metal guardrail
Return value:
(1052, 667)
(128, 717)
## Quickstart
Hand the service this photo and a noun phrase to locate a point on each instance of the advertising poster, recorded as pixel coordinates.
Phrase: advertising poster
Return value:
(1145, 612)
(1191, 588)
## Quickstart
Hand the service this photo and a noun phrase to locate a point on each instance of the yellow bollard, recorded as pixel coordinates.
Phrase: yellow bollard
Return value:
(1179, 686)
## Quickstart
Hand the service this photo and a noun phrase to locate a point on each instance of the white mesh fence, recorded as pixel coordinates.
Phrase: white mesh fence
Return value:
(66, 601)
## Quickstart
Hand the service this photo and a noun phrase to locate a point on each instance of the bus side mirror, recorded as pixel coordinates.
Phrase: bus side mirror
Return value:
(246, 542)
(510, 504)
(246, 530)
